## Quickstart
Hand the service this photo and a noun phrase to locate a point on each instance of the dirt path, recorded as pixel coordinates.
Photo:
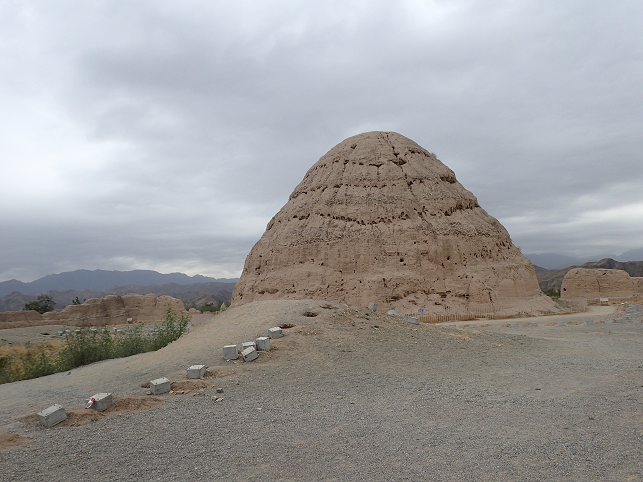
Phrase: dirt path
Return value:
(351, 395)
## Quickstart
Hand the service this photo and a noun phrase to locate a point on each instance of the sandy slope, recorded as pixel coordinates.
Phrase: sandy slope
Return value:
(348, 395)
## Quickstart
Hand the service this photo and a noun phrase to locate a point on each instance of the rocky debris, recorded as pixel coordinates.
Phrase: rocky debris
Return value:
(381, 219)
(600, 283)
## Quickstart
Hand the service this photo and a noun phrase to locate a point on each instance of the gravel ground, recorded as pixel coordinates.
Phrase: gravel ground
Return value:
(351, 396)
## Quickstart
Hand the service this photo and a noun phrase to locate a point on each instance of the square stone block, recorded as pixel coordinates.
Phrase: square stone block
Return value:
(196, 371)
(263, 343)
(247, 344)
(160, 385)
(249, 354)
(230, 352)
(102, 401)
(372, 306)
(413, 320)
(391, 312)
(52, 415)
(275, 332)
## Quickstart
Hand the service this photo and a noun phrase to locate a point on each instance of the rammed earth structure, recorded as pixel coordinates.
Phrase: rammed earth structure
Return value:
(381, 219)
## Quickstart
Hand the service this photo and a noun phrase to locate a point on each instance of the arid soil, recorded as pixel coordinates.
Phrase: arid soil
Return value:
(354, 395)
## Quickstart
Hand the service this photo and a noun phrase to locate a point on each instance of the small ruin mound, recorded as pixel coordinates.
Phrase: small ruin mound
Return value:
(595, 284)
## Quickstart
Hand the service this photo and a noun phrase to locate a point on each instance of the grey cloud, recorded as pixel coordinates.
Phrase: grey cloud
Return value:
(209, 114)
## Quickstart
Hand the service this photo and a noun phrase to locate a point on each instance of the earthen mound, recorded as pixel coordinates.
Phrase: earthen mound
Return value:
(379, 218)
(594, 284)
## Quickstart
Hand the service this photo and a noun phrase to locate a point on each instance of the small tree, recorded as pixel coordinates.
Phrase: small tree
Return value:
(44, 304)
(77, 301)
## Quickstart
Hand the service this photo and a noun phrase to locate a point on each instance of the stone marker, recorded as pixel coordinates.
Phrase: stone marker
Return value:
(275, 332)
(248, 344)
(101, 401)
(52, 415)
(196, 371)
(415, 321)
(263, 343)
(249, 354)
(230, 352)
(391, 312)
(372, 306)
(160, 385)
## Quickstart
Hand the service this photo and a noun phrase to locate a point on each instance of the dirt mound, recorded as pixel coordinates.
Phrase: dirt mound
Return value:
(11, 440)
(379, 218)
(81, 416)
(188, 386)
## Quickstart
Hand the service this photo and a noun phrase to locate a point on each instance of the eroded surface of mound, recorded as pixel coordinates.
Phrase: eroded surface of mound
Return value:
(379, 218)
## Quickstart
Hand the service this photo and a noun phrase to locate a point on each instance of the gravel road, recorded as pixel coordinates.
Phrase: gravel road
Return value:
(352, 395)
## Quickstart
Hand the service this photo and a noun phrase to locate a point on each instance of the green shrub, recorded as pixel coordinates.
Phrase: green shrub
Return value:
(88, 346)
(212, 307)
(44, 304)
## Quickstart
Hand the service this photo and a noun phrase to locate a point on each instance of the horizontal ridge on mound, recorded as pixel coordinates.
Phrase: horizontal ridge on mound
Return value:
(379, 218)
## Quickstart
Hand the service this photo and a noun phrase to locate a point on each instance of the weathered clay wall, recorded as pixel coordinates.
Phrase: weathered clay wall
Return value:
(638, 286)
(598, 283)
(99, 311)
(379, 218)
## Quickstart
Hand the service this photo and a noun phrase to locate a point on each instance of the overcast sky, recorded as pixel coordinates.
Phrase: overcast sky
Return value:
(165, 134)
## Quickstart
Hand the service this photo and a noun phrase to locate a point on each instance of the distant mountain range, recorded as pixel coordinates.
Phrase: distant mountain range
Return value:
(194, 291)
(558, 261)
(99, 280)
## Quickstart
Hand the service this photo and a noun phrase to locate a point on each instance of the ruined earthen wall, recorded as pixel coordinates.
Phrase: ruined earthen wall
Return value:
(597, 283)
(99, 311)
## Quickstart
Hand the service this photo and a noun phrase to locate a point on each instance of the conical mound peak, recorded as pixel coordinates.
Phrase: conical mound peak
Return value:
(379, 218)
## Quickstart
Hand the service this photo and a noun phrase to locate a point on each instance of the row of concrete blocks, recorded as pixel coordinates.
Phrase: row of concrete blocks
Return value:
(56, 413)
(249, 349)
(163, 385)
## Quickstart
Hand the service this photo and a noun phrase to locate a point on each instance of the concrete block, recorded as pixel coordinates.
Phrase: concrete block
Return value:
(392, 312)
(52, 415)
(263, 343)
(196, 371)
(372, 306)
(413, 320)
(275, 332)
(160, 385)
(102, 401)
(248, 344)
(249, 354)
(230, 352)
